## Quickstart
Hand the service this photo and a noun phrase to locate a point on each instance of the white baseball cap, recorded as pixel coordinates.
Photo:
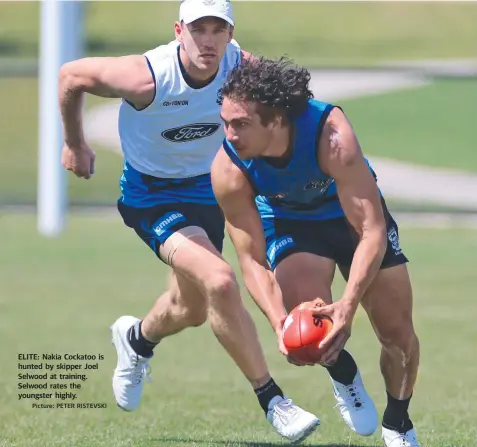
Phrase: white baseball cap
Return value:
(192, 10)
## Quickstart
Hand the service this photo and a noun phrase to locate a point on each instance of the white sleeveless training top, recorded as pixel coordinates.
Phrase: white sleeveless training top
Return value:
(180, 132)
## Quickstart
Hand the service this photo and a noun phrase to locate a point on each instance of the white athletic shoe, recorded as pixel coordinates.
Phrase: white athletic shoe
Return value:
(131, 369)
(356, 407)
(393, 438)
(291, 421)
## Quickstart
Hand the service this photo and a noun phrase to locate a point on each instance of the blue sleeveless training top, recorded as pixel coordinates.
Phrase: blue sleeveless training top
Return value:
(300, 190)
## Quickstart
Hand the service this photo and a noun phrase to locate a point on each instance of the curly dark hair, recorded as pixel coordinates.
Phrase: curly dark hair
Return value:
(279, 86)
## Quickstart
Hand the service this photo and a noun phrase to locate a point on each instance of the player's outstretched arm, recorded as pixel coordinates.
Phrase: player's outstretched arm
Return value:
(125, 77)
(340, 157)
(236, 198)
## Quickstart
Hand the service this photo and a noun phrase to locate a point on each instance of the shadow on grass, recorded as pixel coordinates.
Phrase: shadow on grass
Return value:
(212, 443)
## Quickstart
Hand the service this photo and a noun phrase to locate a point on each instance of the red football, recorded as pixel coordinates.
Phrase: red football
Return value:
(303, 331)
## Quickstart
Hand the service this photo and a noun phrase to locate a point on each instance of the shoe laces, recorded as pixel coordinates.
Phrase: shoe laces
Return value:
(140, 370)
(352, 397)
(285, 410)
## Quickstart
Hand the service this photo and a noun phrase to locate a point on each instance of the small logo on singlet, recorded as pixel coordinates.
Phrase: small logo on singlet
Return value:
(175, 103)
(322, 185)
(190, 132)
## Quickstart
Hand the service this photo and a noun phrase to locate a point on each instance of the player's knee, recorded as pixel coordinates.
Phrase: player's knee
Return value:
(400, 335)
(221, 284)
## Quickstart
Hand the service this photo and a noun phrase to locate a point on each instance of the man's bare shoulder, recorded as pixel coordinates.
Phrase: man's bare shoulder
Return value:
(227, 177)
(137, 64)
(338, 144)
(335, 121)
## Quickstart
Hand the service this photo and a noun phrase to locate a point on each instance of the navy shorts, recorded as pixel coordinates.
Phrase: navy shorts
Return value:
(333, 238)
(155, 224)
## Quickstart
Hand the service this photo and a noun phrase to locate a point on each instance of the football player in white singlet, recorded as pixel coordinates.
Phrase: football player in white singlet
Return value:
(170, 130)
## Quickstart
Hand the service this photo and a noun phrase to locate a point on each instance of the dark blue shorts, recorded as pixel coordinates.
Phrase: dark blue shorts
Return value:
(155, 224)
(333, 238)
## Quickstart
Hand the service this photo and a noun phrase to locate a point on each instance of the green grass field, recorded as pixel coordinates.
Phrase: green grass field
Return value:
(431, 125)
(60, 296)
(316, 33)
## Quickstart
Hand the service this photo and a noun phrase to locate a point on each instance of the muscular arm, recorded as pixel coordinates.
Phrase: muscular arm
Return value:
(236, 198)
(340, 157)
(125, 77)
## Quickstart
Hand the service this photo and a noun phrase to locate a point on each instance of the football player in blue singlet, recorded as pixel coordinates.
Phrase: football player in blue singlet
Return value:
(170, 130)
(300, 199)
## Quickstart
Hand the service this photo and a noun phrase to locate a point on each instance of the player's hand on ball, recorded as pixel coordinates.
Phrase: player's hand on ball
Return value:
(289, 357)
(303, 330)
(342, 314)
(279, 333)
(284, 350)
(79, 160)
(296, 362)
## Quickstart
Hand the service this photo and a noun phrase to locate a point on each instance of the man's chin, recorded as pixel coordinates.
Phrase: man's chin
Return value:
(207, 63)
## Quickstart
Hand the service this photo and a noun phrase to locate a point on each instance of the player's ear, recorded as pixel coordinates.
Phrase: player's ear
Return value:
(277, 121)
(231, 32)
(178, 31)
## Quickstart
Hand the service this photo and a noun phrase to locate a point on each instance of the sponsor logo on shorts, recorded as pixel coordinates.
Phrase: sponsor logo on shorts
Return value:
(278, 246)
(167, 221)
(190, 132)
(394, 239)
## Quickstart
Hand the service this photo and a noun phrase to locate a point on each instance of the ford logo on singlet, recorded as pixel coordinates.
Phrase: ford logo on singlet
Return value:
(190, 132)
